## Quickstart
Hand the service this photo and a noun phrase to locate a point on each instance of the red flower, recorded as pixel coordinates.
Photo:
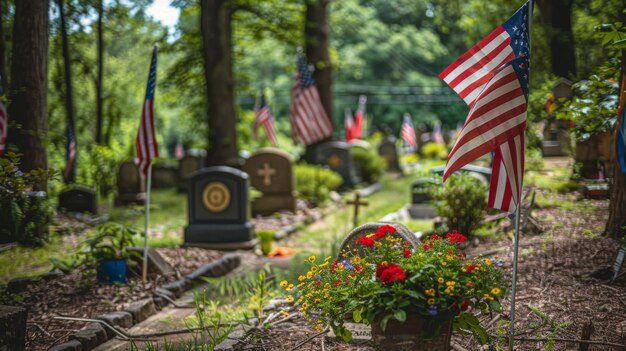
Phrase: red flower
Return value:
(389, 273)
(407, 252)
(358, 268)
(435, 237)
(352, 275)
(336, 284)
(347, 281)
(464, 305)
(455, 237)
(366, 241)
(470, 268)
(333, 266)
(384, 230)
(428, 246)
(318, 283)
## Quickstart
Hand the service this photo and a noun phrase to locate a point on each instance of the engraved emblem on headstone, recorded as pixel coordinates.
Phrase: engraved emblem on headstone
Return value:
(266, 172)
(216, 196)
(334, 161)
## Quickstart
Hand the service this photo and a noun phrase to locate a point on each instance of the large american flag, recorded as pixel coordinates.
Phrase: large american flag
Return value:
(492, 78)
(408, 132)
(309, 119)
(146, 144)
(70, 156)
(4, 125)
(263, 115)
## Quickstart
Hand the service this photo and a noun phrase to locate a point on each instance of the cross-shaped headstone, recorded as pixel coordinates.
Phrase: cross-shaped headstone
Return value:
(267, 172)
(357, 202)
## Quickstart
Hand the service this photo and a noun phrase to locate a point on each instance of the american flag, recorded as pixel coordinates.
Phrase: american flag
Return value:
(4, 125)
(620, 127)
(70, 158)
(348, 124)
(146, 144)
(492, 78)
(437, 136)
(263, 115)
(309, 119)
(359, 117)
(408, 132)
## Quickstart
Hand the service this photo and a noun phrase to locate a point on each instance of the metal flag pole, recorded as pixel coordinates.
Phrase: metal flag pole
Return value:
(144, 271)
(514, 284)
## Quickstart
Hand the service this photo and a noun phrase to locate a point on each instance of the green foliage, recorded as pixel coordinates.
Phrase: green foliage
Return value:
(534, 160)
(24, 214)
(371, 163)
(265, 240)
(315, 182)
(462, 202)
(111, 241)
(101, 171)
(435, 151)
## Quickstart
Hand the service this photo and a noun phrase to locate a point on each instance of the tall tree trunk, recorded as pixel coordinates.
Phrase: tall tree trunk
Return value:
(3, 77)
(99, 82)
(316, 32)
(29, 84)
(215, 24)
(67, 67)
(616, 223)
(557, 15)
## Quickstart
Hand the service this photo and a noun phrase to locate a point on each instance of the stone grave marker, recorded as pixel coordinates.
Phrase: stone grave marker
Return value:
(193, 161)
(388, 151)
(336, 155)
(592, 154)
(271, 172)
(163, 176)
(619, 262)
(420, 198)
(12, 328)
(556, 139)
(78, 199)
(130, 186)
(219, 209)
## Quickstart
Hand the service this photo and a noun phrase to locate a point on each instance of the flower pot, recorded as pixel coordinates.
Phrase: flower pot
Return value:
(266, 247)
(416, 333)
(112, 271)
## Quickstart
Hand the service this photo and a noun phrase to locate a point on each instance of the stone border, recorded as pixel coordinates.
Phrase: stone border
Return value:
(95, 334)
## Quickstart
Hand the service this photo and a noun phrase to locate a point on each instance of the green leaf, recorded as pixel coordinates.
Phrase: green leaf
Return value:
(495, 305)
(356, 315)
(400, 316)
(384, 321)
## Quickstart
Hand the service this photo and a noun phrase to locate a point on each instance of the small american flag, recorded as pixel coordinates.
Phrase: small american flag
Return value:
(348, 124)
(70, 158)
(408, 132)
(437, 136)
(263, 115)
(4, 126)
(492, 78)
(359, 117)
(309, 119)
(146, 144)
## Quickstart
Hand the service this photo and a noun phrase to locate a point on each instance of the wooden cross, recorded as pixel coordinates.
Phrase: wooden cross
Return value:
(267, 172)
(357, 202)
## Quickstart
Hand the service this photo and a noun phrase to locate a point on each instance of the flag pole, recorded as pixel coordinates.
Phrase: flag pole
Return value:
(514, 284)
(144, 271)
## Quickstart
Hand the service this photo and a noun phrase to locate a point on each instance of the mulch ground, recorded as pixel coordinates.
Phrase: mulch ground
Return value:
(554, 279)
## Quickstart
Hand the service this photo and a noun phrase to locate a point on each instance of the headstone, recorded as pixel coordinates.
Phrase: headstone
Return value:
(130, 186)
(78, 199)
(619, 262)
(163, 176)
(556, 139)
(218, 209)
(12, 328)
(336, 155)
(420, 198)
(388, 151)
(482, 174)
(193, 161)
(271, 172)
(592, 154)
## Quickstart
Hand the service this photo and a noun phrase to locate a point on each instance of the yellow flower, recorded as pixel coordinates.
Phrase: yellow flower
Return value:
(305, 305)
(488, 297)
(450, 283)
(444, 263)
(463, 270)
(284, 283)
(301, 278)
(312, 258)
(383, 263)
(327, 258)
(495, 291)
(487, 262)
(430, 292)
(313, 269)
(370, 235)
(284, 313)
(356, 259)
(289, 299)
(448, 291)
(440, 280)
(431, 301)
(317, 301)
(301, 298)
(309, 275)
(323, 264)
(318, 328)
(449, 258)
(300, 285)
(289, 287)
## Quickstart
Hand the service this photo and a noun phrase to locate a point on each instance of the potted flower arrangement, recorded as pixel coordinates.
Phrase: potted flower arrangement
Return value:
(108, 250)
(410, 294)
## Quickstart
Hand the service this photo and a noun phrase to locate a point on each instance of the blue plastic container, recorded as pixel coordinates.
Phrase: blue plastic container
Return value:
(112, 271)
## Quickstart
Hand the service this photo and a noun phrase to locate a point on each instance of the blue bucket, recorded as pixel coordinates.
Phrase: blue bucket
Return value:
(112, 271)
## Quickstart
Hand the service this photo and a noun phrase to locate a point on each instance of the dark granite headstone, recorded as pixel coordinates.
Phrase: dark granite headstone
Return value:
(336, 155)
(130, 186)
(218, 209)
(388, 151)
(420, 198)
(78, 199)
(163, 176)
(192, 162)
(271, 172)
(12, 328)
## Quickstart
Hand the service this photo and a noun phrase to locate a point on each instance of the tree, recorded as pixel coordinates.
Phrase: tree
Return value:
(29, 68)
(99, 79)
(616, 223)
(557, 16)
(67, 68)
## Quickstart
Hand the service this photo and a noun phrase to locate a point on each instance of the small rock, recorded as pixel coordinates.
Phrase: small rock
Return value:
(72, 345)
(141, 310)
(117, 319)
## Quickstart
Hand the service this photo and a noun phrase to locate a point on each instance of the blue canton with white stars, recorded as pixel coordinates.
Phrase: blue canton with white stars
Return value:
(152, 76)
(518, 29)
(306, 73)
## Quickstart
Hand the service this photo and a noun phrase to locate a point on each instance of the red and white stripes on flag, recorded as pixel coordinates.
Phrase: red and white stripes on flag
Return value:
(492, 78)
(263, 115)
(408, 132)
(309, 120)
(4, 126)
(146, 143)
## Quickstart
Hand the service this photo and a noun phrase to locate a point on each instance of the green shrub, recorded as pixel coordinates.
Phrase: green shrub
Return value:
(371, 163)
(567, 187)
(24, 215)
(435, 151)
(462, 202)
(315, 182)
(101, 171)
(534, 160)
